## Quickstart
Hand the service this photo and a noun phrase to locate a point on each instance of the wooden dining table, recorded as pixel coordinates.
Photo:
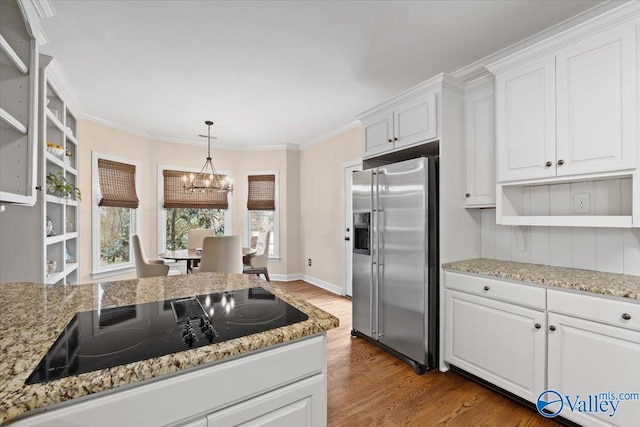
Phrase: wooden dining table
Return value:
(193, 256)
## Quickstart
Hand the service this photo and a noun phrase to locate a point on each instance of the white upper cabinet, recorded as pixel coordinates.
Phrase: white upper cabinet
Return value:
(378, 134)
(480, 147)
(570, 110)
(407, 120)
(595, 82)
(415, 121)
(18, 112)
(526, 121)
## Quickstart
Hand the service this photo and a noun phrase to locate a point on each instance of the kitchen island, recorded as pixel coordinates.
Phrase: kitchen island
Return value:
(217, 383)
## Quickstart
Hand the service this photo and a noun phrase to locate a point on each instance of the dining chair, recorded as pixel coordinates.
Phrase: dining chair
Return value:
(151, 267)
(258, 263)
(196, 236)
(221, 254)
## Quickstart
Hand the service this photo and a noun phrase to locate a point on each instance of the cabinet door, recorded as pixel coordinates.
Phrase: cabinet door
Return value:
(378, 134)
(299, 405)
(480, 148)
(596, 104)
(525, 121)
(497, 342)
(588, 358)
(415, 121)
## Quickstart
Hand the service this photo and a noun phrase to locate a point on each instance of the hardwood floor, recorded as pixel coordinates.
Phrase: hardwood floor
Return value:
(368, 387)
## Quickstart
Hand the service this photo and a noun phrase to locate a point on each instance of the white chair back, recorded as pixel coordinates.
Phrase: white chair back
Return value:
(196, 237)
(145, 268)
(261, 258)
(221, 254)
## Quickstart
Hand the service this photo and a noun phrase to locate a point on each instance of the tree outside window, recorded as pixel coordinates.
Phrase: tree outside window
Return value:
(115, 235)
(181, 220)
(262, 221)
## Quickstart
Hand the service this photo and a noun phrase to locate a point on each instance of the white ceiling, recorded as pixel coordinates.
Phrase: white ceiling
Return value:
(270, 72)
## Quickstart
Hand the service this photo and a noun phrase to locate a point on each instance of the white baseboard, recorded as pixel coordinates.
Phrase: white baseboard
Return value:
(322, 284)
(309, 279)
(285, 277)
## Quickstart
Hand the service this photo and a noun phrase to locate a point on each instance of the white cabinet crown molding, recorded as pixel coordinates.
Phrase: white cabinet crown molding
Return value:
(627, 12)
(435, 83)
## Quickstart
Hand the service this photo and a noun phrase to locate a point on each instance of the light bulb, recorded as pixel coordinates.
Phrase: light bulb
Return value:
(192, 177)
(184, 178)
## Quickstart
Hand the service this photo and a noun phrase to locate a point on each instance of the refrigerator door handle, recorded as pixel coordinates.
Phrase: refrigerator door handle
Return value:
(378, 236)
(373, 277)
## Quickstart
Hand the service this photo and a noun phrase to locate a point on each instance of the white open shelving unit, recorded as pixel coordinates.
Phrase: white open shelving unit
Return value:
(59, 127)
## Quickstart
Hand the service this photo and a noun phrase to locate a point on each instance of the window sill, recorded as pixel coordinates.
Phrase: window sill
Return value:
(274, 259)
(113, 272)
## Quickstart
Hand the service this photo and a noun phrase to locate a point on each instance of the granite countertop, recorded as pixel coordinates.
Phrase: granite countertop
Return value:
(620, 285)
(33, 315)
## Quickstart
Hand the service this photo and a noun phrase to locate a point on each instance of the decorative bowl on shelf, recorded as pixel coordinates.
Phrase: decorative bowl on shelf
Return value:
(55, 151)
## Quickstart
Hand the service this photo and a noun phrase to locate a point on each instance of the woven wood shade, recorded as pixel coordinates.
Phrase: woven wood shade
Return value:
(117, 184)
(262, 193)
(176, 197)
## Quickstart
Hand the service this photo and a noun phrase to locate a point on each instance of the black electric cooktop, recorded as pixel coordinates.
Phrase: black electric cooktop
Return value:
(104, 338)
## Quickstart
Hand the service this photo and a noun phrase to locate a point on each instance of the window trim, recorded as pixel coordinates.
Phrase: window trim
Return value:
(97, 271)
(162, 212)
(276, 217)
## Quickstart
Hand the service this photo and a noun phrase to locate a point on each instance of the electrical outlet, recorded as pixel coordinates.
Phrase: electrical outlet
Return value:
(309, 262)
(582, 203)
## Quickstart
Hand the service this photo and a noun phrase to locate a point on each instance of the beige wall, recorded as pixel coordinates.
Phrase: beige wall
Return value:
(151, 153)
(322, 205)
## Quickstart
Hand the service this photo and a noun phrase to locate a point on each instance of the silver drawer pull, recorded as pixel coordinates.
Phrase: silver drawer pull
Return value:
(537, 326)
(626, 316)
(552, 328)
(486, 288)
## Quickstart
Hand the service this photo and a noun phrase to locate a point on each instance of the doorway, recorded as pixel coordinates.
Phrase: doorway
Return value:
(347, 252)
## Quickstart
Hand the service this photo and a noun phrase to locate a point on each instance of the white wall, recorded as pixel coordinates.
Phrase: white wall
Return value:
(613, 250)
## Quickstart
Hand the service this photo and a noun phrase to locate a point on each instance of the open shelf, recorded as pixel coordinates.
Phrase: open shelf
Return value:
(54, 159)
(54, 239)
(57, 123)
(55, 278)
(595, 201)
(15, 58)
(12, 122)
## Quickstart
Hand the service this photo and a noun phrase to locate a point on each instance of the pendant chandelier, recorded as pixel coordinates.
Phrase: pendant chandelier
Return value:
(208, 179)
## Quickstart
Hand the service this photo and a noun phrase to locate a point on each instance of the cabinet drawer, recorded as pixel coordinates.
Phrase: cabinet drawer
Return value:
(525, 295)
(595, 308)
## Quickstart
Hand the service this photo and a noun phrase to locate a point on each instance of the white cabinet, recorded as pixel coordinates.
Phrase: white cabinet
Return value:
(18, 112)
(571, 111)
(501, 342)
(298, 405)
(284, 385)
(525, 120)
(595, 87)
(527, 339)
(480, 146)
(406, 121)
(594, 347)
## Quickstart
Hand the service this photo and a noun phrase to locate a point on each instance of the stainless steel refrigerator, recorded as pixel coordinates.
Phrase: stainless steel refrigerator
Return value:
(395, 260)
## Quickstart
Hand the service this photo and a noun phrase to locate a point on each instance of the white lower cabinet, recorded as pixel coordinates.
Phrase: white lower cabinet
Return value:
(498, 342)
(300, 405)
(586, 348)
(285, 385)
(589, 359)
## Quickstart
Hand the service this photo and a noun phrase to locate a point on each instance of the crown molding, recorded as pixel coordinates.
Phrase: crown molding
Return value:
(199, 143)
(56, 75)
(436, 82)
(624, 12)
(303, 146)
(477, 70)
(44, 8)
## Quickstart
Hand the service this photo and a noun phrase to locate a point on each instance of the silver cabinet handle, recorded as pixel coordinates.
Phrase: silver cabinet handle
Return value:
(560, 162)
(486, 288)
(537, 325)
(626, 316)
(552, 328)
(548, 164)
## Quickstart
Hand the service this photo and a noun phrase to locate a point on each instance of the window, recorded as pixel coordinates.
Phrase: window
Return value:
(179, 212)
(114, 213)
(262, 209)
